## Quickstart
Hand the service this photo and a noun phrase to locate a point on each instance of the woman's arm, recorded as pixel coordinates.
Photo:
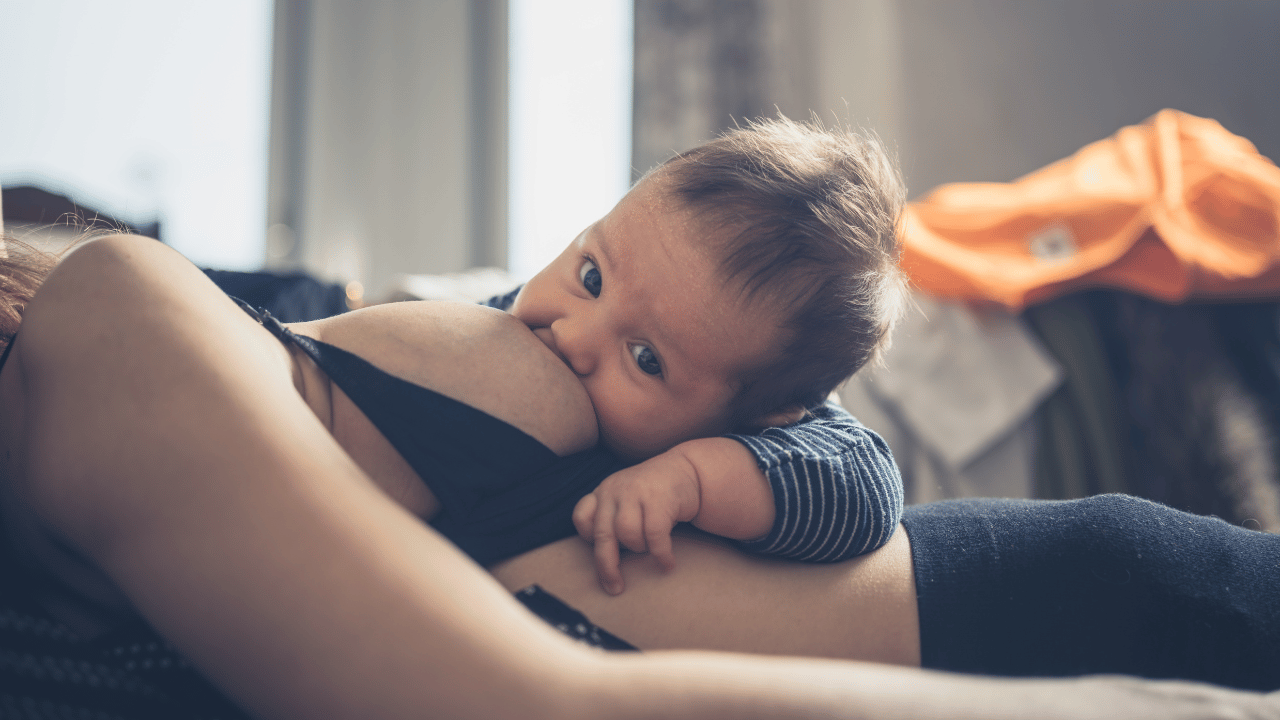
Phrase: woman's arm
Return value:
(167, 443)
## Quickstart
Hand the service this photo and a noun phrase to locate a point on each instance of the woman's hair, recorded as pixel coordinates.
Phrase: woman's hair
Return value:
(808, 218)
(23, 268)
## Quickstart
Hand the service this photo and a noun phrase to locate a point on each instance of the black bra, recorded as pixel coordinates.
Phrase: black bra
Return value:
(502, 492)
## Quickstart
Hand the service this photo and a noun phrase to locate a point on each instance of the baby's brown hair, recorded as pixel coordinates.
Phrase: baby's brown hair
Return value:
(807, 216)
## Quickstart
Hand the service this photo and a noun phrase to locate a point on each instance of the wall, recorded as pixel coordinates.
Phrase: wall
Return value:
(967, 90)
(389, 143)
(988, 90)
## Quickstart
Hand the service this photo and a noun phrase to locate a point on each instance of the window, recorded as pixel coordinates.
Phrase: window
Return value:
(147, 110)
(570, 121)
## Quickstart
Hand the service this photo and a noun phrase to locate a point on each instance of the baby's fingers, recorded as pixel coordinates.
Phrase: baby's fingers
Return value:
(629, 526)
(607, 567)
(607, 554)
(584, 516)
(657, 532)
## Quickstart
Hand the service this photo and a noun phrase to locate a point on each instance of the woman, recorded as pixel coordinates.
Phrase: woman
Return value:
(158, 459)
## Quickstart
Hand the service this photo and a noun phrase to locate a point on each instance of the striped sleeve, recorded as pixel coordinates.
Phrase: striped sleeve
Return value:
(503, 302)
(837, 489)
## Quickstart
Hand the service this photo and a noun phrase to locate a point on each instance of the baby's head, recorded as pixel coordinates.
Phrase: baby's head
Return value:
(736, 284)
(806, 218)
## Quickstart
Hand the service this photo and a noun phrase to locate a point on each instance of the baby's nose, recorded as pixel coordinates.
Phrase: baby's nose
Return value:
(573, 344)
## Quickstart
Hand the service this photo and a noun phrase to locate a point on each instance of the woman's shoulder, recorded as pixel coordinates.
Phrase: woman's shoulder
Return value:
(111, 284)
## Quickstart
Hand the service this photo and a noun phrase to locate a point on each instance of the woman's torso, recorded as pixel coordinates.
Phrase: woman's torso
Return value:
(719, 598)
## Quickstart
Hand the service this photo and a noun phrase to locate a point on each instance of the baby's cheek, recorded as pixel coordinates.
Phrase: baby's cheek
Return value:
(617, 438)
(626, 435)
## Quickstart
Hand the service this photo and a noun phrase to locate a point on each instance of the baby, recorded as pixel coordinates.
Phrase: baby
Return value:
(709, 315)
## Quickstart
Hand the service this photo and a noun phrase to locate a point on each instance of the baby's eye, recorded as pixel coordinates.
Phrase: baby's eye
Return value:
(589, 274)
(646, 360)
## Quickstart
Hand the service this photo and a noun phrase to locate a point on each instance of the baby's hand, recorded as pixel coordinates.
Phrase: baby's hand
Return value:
(638, 507)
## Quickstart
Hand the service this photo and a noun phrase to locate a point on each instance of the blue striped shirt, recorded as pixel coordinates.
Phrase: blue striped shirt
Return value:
(836, 488)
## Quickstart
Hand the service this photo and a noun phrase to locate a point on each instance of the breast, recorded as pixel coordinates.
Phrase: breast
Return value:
(476, 355)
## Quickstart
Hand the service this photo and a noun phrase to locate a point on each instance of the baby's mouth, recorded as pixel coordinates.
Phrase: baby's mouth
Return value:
(548, 338)
(544, 334)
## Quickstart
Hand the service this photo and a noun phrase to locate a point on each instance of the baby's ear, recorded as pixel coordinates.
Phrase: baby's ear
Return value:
(786, 416)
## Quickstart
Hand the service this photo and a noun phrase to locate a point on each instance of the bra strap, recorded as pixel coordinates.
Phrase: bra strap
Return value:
(264, 319)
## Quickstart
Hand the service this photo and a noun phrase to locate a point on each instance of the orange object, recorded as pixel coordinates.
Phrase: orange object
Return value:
(1173, 208)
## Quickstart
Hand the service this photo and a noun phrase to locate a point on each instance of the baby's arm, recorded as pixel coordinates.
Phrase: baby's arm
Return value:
(714, 483)
(836, 487)
(821, 490)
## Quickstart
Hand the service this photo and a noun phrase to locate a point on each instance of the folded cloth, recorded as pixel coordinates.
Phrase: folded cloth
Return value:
(1173, 208)
(954, 400)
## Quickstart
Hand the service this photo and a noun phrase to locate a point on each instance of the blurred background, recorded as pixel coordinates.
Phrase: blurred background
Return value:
(360, 142)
